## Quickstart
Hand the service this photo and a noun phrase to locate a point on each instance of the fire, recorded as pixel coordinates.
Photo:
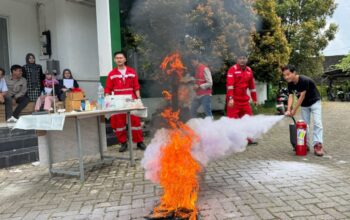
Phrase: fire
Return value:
(178, 175)
(179, 170)
(167, 96)
(172, 64)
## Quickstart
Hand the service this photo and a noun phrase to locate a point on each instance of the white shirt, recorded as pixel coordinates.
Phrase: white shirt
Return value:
(3, 86)
(123, 72)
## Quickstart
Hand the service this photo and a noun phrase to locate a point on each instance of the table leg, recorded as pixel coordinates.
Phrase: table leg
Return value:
(49, 151)
(80, 150)
(131, 149)
(100, 136)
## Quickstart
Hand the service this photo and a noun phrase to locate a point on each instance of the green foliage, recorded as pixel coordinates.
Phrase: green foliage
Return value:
(269, 108)
(304, 23)
(344, 64)
(269, 49)
(323, 90)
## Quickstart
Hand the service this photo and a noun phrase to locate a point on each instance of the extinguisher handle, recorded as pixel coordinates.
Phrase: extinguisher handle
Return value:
(295, 122)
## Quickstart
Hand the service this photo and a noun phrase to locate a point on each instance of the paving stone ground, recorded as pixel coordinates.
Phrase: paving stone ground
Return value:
(265, 182)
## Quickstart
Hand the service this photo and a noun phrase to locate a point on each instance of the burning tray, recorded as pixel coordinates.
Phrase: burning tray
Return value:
(179, 214)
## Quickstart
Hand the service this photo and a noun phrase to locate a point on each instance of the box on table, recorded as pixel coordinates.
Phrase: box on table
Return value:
(73, 100)
(76, 96)
(72, 105)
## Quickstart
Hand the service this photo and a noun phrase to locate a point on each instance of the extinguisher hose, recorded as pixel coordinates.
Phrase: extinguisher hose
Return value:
(293, 120)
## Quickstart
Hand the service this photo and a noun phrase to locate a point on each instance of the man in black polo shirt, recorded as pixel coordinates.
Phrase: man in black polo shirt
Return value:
(310, 101)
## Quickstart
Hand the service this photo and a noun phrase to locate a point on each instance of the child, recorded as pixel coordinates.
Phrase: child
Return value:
(47, 97)
(66, 83)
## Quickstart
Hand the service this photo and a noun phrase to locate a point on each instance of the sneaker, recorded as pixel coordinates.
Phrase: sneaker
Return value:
(141, 146)
(318, 150)
(12, 120)
(123, 147)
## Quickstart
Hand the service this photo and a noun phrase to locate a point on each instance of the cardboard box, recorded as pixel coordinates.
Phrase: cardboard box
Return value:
(72, 105)
(75, 96)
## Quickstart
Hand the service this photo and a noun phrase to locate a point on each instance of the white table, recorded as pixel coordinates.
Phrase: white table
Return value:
(59, 135)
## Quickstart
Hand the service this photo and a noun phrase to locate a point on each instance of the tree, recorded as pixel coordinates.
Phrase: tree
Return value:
(344, 64)
(269, 50)
(216, 30)
(305, 27)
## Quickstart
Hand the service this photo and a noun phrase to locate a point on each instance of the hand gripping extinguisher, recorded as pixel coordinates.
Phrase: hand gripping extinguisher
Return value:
(298, 137)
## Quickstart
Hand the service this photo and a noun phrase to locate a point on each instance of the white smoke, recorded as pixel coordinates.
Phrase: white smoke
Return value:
(218, 138)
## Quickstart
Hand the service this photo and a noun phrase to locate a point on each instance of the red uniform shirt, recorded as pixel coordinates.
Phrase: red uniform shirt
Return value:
(237, 83)
(122, 84)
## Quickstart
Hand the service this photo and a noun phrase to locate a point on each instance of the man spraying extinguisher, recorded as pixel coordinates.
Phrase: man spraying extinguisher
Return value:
(310, 101)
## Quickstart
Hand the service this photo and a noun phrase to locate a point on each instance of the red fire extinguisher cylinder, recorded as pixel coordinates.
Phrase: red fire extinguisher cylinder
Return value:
(301, 147)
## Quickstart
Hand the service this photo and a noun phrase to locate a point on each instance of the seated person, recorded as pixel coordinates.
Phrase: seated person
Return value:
(66, 83)
(3, 87)
(17, 90)
(46, 99)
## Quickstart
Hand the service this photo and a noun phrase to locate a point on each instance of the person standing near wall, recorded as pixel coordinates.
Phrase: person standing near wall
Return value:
(17, 89)
(203, 88)
(34, 74)
(123, 80)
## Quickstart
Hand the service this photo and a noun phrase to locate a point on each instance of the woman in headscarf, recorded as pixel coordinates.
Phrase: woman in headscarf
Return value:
(34, 74)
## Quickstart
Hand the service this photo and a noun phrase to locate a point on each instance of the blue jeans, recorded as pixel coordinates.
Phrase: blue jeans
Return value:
(316, 111)
(205, 101)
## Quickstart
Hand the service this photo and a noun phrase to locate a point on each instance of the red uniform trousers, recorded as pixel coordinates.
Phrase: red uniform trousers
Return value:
(239, 109)
(118, 123)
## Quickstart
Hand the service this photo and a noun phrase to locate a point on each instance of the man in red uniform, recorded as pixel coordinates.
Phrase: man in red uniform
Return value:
(239, 79)
(123, 80)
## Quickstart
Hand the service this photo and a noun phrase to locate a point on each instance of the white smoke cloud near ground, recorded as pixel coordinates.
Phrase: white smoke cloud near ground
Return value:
(218, 138)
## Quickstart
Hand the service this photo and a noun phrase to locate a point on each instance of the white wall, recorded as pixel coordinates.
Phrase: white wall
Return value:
(261, 90)
(104, 37)
(22, 28)
(74, 36)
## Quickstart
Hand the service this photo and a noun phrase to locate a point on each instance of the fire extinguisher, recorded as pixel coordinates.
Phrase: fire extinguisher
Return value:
(301, 145)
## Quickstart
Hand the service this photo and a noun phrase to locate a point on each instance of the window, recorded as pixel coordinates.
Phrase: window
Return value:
(4, 51)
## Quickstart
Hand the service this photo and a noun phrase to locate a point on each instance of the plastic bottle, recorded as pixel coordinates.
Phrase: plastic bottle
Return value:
(87, 105)
(100, 97)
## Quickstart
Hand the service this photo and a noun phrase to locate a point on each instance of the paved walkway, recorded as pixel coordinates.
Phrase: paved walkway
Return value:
(265, 182)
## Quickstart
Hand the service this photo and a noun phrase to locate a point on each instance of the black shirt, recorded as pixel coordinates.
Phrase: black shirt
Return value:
(305, 84)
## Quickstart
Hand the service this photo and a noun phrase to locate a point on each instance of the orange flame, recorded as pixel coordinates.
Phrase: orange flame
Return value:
(167, 95)
(179, 170)
(178, 175)
(172, 64)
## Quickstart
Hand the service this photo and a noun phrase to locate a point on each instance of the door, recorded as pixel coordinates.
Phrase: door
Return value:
(4, 49)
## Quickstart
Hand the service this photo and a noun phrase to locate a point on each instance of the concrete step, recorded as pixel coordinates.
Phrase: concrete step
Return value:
(6, 132)
(18, 156)
(18, 143)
